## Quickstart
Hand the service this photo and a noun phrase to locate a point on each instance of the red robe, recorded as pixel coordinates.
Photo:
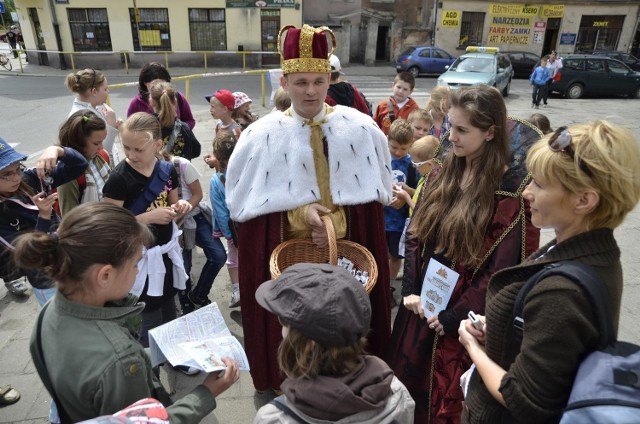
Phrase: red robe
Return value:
(262, 332)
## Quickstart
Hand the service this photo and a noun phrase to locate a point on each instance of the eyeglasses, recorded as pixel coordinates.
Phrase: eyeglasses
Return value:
(561, 141)
(10, 176)
(419, 164)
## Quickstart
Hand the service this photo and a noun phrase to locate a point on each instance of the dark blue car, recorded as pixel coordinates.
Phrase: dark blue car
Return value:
(424, 60)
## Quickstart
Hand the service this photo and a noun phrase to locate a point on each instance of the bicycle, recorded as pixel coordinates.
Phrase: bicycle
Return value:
(5, 62)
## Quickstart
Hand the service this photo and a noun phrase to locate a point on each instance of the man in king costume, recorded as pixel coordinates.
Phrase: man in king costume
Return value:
(291, 167)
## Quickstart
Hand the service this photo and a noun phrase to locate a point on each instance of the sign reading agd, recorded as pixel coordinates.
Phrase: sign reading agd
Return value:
(451, 18)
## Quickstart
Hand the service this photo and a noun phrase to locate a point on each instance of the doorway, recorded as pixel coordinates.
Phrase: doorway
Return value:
(269, 27)
(551, 35)
(382, 44)
(43, 58)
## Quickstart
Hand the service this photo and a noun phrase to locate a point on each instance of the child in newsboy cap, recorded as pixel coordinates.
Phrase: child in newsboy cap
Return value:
(325, 314)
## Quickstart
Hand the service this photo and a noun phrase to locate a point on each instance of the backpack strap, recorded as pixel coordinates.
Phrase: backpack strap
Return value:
(156, 183)
(588, 280)
(105, 156)
(177, 166)
(392, 114)
(279, 403)
(62, 414)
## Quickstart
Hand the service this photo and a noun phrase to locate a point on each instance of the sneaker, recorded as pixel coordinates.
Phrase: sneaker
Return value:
(537, 107)
(235, 299)
(544, 106)
(18, 287)
(533, 105)
(187, 370)
(198, 302)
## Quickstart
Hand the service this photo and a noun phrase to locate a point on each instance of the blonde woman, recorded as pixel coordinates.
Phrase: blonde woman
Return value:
(586, 179)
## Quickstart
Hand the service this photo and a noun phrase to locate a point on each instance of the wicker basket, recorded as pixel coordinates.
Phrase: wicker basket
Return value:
(303, 250)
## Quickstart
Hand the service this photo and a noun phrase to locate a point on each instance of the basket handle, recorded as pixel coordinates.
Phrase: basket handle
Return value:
(331, 236)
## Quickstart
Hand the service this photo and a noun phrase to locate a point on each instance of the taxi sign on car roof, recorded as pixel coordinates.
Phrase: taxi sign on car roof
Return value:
(478, 49)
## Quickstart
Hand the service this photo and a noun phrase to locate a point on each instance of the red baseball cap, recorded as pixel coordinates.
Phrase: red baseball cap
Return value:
(225, 97)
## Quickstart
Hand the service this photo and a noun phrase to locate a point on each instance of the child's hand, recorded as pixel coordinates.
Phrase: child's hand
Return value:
(44, 204)
(397, 202)
(413, 303)
(161, 215)
(109, 116)
(220, 381)
(182, 207)
(400, 193)
(48, 160)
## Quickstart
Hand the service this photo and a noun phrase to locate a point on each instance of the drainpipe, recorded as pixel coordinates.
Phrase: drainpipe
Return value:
(435, 22)
(56, 30)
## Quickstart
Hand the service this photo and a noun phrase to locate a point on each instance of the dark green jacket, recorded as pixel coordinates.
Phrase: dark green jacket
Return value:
(96, 367)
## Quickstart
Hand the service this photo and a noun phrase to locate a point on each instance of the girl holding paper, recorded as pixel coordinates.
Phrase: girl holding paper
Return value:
(83, 345)
(473, 223)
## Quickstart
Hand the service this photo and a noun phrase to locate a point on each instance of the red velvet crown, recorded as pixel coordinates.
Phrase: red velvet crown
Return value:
(305, 49)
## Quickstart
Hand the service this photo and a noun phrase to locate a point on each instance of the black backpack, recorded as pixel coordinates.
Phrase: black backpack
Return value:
(606, 388)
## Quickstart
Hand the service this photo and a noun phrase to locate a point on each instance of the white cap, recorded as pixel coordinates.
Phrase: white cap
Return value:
(335, 63)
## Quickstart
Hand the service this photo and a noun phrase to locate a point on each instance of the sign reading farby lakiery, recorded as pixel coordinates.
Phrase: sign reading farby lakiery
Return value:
(272, 4)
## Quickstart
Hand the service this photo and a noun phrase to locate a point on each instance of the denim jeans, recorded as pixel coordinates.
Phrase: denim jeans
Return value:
(214, 252)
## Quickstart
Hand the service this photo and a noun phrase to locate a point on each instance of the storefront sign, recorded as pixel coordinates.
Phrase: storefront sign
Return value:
(513, 9)
(539, 25)
(451, 18)
(261, 3)
(568, 38)
(510, 23)
(552, 11)
(601, 24)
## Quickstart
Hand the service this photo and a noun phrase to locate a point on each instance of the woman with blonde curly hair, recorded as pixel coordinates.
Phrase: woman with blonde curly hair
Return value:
(585, 180)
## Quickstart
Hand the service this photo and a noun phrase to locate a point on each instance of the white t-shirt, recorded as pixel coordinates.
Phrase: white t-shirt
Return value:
(188, 174)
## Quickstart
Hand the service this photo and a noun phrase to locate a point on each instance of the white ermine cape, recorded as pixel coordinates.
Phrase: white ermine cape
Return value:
(272, 168)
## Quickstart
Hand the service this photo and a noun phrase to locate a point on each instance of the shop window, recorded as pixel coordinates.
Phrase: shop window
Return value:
(89, 29)
(471, 28)
(207, 29)
(599, 33)
(151, 32)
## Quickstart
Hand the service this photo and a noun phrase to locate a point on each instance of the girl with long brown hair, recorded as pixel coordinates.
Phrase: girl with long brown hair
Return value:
(471, 223)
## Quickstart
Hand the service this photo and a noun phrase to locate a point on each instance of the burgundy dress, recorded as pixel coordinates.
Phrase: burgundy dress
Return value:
(429, 366)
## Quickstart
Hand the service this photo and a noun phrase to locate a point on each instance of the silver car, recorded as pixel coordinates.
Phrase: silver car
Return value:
(480, 65)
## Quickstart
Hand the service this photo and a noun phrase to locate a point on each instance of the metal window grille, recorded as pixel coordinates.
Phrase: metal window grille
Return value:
(89, 29)
(207, 29)
(152, 31)
(471, 28)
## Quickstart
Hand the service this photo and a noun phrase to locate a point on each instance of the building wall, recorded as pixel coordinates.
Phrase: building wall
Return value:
(448, 37)
(242, 24)
(343, 17)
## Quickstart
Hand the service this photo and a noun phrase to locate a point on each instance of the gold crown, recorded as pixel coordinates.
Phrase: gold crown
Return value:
(306, 62)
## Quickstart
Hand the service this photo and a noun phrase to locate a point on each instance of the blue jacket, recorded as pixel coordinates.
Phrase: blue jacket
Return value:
(219, 206)
(16, 218)
(540, 76)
